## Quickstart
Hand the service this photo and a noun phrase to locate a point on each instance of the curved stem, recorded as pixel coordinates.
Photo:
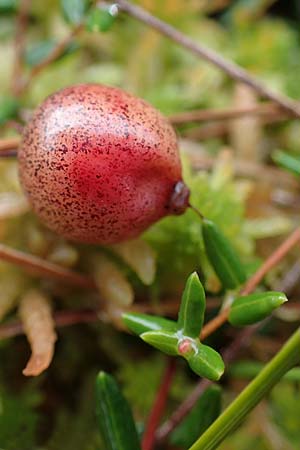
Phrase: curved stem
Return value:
(253, 281)
(45, 268)
(233, 70)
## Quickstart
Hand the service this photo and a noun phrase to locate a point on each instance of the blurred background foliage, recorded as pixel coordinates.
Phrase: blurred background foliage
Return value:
(254, 207)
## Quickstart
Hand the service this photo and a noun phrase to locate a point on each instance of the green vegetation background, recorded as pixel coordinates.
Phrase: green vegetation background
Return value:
(56, 410)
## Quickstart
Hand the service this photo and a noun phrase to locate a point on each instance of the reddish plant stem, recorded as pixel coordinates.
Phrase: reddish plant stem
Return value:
(159, 405)
(273, 175)
(10, 143)
(252, 283)
(9, 154)
(53, 56)
(62, 319)
(39, 266)
(201, 115)
(233, 70)
(273, 259)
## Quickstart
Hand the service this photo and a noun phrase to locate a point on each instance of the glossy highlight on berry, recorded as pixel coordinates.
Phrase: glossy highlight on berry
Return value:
(100, 165)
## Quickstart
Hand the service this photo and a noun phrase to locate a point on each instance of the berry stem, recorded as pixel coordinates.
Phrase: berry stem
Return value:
(197, 211)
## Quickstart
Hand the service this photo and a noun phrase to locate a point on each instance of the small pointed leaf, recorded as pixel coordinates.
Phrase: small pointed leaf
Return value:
(207, 363)
(74, 10)
(203, 414)
(141, 323)
(101, 18)
(287, 161)
(165, 341)
(192, 308)
(222, 256)
(114, 416)
(255, 307)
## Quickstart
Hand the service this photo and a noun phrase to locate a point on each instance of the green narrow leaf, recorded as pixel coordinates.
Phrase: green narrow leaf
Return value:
(204, 413)
(114, 416)
(74, 10)
(207, 363)
(41, 50)
(141, 323)
(255, 307)
(8, 108)
(287, 161)
(101, 18)
(222, 256)
(165, 341)
(192, 307)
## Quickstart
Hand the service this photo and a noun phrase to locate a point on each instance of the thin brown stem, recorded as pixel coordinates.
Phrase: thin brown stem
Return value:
(233, 70)
(272, 261)
(214, 324)
(9, 154)
(221, 129)
(53, 56)
(10, 143)
(21, 25)
(62, 319)
(202, 115)
(159, 405)
(253, 281)
(39, 266)
(273, 175)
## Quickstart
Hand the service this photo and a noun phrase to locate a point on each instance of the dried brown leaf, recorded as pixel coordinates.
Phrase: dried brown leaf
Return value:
(39, 327)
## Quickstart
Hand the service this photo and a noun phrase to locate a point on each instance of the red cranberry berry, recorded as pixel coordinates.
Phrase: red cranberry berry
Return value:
(100, 165)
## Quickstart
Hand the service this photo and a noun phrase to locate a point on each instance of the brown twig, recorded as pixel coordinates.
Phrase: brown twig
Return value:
(253, 281)
(273, 175)
(21, 25)
(231, 69)
(53, 56)
(290, 280)
(221, 129)
(39, 266)
(202, 115)
(10, 143)
(62, 319)
(159, 405)
(9, 154)
(273, 259)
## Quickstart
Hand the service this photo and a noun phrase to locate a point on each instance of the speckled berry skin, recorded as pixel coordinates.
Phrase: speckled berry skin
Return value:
(99, 165)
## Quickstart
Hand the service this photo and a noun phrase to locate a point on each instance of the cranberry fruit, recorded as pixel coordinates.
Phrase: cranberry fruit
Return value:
(100, 165)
